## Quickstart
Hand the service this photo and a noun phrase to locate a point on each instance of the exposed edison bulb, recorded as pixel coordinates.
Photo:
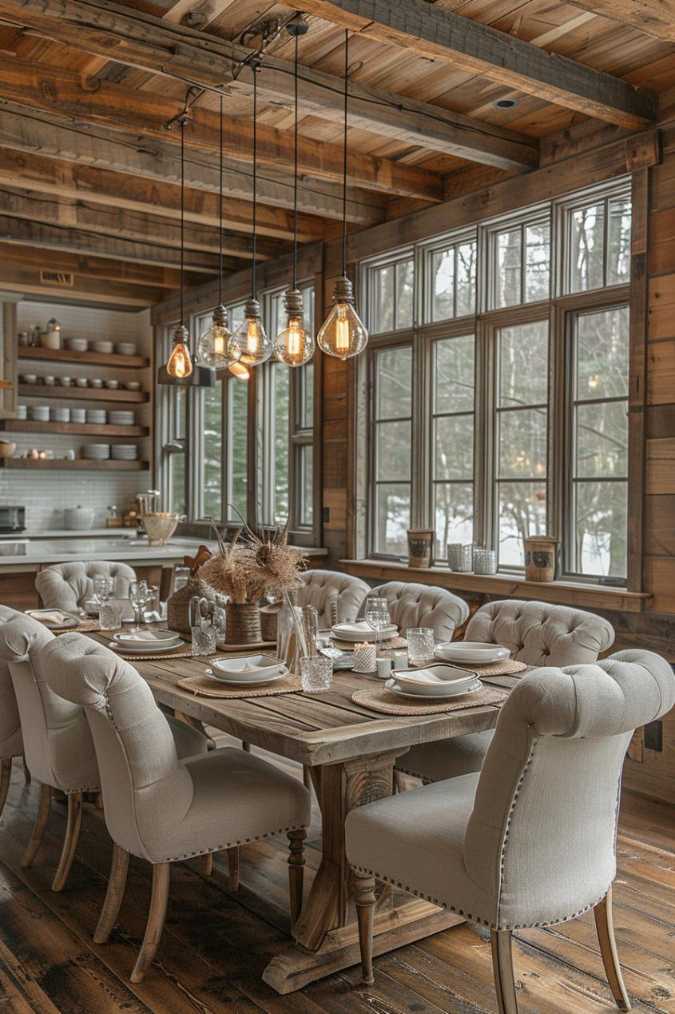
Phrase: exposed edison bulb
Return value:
(179, 363)
(294, 346)
(239, 370)
(217, 347)
(251, 338)
(343, 333)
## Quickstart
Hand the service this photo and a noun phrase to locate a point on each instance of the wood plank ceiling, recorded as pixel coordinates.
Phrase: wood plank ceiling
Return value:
(445, 98)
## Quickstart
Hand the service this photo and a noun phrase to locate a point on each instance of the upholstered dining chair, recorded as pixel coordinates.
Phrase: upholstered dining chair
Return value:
(11, 741)
(70, 585)
(530, 841)
(336, 597)
(157, 807)
(536, 633)
(423, 605)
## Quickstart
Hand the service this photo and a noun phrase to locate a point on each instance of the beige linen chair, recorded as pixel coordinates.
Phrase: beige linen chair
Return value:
(11, 742)
(536, 633)
(157, 807)
(336, 597)
(530, 841)
(423, 605)
(70, 585)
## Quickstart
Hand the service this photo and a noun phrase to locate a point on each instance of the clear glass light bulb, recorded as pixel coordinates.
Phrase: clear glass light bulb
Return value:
(216, 346)
(250, 338)
(294, 346)
(343, 334)
(238, 370)
(179, 364)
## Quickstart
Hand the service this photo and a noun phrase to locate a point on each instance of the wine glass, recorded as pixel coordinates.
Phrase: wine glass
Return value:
(138, 596)
(377, 616)
(102, 587)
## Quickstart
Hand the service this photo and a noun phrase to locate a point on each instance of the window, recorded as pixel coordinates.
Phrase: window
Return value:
(453, 440)
(599, 427)
(451, 270)
(390, 295)
(502, 413)
(392, 448)
(520, 263)
(521, 425)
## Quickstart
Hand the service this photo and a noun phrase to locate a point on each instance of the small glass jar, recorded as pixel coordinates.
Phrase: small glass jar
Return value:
(420, 645)
(316, 674)
(484, 561)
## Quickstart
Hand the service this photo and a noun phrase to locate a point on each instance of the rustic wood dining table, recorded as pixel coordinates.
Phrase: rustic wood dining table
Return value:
(350, 752)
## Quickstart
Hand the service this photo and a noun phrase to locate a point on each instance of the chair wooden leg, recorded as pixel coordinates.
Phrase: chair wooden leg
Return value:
(306, 777)
(206, 863)
(39, 826)
(117, 882)
(364, 896)
(502, 967)
(5, 779)
(233, 867)
(161, 875)
(26, 773)
(73, 824)
(604, 924)
(296, 871)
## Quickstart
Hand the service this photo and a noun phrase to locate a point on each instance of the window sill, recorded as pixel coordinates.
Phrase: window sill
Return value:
(568, 593)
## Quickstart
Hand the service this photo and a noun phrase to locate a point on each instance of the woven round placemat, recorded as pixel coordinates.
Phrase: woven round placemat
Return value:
(379, 699)
(505, 668)
(206, 686)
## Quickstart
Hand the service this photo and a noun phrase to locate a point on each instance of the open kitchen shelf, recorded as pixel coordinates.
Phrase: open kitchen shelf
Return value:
(80, 393)
(79, 465)
(85, 429)
(82, 358)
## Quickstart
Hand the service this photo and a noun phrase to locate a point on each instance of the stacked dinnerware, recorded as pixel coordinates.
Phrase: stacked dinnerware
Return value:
(471, 652)
(146, 642)
(125, 349)
(96, 452)
(121, 417)
(434, 683)
(105, 347)
(97, 416)
(78, 415)
(359, 630)
(40, 413)
(124, 452)
(256, 669)
(60, 414)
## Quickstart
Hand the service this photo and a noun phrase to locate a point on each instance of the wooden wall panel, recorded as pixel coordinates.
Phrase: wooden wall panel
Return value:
(661, 466)
(661, 372)
(662, 306)
(659, 525)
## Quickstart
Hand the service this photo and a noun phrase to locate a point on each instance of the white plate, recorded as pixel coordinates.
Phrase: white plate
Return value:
(249, 668)
(54, 619)
(146, 638)
(360, 631)
(260, 680)
(444, 694)
(471, 652)
(159, 649)
(431, 680)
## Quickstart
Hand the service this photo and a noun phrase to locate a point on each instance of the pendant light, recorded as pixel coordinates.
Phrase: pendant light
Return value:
(179, 369)
(216, 346)
(343, 333)
(294, 345)
(251, 339)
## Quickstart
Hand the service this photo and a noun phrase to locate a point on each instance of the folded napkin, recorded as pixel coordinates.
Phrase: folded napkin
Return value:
(54, 616)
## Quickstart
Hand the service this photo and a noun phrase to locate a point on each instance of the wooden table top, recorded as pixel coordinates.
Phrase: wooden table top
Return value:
(315, 729)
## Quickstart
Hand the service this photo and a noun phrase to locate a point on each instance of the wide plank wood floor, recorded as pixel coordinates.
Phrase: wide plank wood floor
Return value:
(216, 945)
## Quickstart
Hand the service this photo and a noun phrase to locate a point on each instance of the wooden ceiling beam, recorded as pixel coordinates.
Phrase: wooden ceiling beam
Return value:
(62, 92)
(31, 281)
(38, 134)
(440, 35)
(653, 17)
(59, 240)
(159, 47)
(102, 186)
(118, 223)
(89, 267)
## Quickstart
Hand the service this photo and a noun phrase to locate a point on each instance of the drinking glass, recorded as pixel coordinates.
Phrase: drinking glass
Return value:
(102, 586)
(310, 626)
(377, 616)
(420, 645)
(138, 596)
(204, 638)
(110, 615)
(316, 673)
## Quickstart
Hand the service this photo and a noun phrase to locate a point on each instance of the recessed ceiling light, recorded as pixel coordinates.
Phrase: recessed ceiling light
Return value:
(505, 103)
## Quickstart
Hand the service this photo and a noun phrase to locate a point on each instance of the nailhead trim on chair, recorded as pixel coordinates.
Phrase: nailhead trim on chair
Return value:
(230, 845)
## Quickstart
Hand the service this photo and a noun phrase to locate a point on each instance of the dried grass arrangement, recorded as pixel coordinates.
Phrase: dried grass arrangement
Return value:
(251, 567)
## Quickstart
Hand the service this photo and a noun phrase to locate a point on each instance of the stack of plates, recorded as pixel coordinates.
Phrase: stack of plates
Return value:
(98, 416)
(359, 630)
(124, 452)
(96, 452)
(78, 415)
(255, 669)
(105, 347)
(60, 414)
(471, 652)
(121, 417)
(146, 642)
(40, 413)
(125, 349)
(437, 682)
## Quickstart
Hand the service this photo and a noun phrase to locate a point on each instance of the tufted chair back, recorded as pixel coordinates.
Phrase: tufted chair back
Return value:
(541, 634)
(69, 585)
(423, 605)
(57, 744)
(337, 597)
(145, 789)
(541, 837)
(11, 743)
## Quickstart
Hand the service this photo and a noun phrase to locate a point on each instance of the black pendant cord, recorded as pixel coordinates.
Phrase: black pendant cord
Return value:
(344, 159)
(255, 178)
(182, 221)
(295, 168)
(220, 210)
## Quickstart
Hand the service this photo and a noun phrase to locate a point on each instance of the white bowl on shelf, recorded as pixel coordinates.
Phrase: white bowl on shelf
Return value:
(104, 347)
(96, 452)
(81, 382)
(96, 416)
(121, 418)
(124, 452)
(125, 349)
(77, 344)
(112, 385)
(78, 415)
(22, 411)
(60, 414)
(39, 413)
(133, 385)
